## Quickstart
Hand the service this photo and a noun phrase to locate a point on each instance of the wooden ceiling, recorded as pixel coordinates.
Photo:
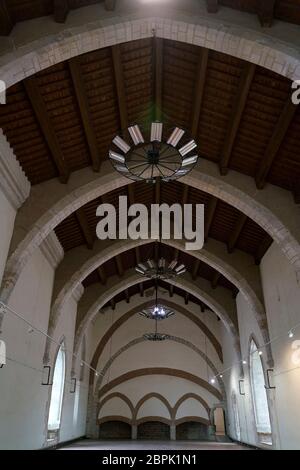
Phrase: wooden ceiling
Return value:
(64, 118)
(14, 11)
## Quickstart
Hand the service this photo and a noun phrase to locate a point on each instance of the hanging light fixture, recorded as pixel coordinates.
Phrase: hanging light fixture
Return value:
(157, 312)
(160, 269)
(161, 152)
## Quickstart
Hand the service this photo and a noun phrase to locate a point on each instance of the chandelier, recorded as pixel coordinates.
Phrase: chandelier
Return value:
(158, 312)
(161, 269)
(160, 152)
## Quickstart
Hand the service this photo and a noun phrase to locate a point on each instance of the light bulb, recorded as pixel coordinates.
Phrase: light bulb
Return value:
(212, 381)
(221, 376)
(244, 362)
(260, 353)
(291, 334)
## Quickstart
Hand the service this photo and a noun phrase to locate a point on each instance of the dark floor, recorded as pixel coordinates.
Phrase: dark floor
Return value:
(151, 445)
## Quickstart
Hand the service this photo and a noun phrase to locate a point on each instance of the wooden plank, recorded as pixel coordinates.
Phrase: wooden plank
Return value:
(236, 232)
(38, 106)
(276, 140)
(81, 96)
(84, 225)
(61, 10)
(199, 90)
(236, 115)
(6, 19)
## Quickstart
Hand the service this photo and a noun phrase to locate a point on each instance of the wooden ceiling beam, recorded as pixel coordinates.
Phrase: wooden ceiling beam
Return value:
(141, 286)
(120, 87)
(196, 269)
(212, 6)
(212, 206)
(113, 304)
(131, 198)
(80, 92)
(158, 54)
(236, 232)
(110, 5)
(186, 298)
(236, 115)
(266, 11)
(102, 275)
(6, 19)
(85, 228)
(61, 10)
(119, 265)
(199, 90)
(127, 296)
(263, 247)
(38, 106)
(276, 140)
(215, 280)
(185, 195)
(157, 187)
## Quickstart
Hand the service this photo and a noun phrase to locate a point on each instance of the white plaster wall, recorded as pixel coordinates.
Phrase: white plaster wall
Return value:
(282, 299)
(115, 407)
(24, 401)
(23, 398)
(7, 218)
(153, 407)
(191, 407)
(74, 404)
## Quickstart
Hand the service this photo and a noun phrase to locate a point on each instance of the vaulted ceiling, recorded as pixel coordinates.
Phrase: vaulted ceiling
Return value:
(63, 119)
(14, 11)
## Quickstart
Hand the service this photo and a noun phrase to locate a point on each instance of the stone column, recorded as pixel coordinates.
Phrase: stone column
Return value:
(173, 432)
(134, 432)
(92, 429)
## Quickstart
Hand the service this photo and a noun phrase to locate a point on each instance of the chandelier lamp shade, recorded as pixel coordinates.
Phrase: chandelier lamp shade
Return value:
(161, 269)
(158, 152)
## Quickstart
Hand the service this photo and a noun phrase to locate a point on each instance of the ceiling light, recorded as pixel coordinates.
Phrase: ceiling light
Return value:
(136, 135)
(156, 131)
(260, 353)
(161, 269)
(212, 381)
(116, 157)
(187, 148)
(175, 136)
(152, 157)
(121, 144)
(291, 334)
(244, 362)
